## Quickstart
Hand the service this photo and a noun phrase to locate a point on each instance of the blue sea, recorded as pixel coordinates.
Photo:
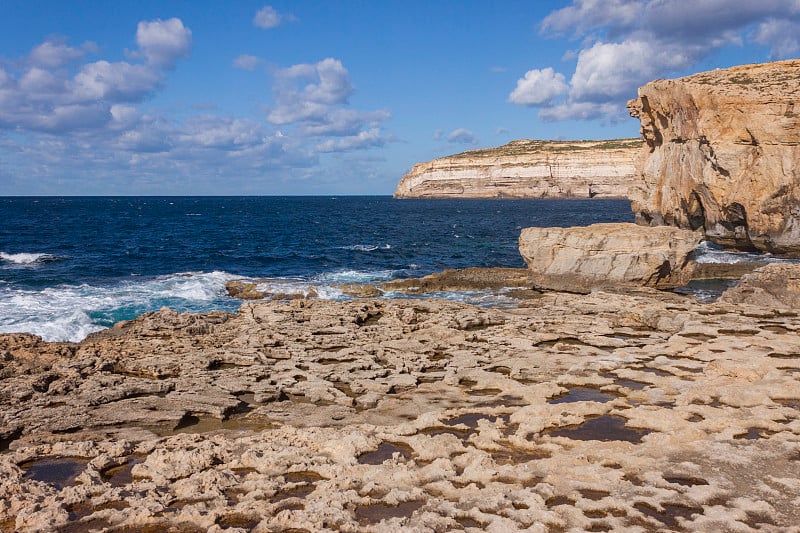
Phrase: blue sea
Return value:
(71, 266)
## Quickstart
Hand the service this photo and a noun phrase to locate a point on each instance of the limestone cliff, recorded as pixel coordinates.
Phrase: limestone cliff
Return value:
(528, 169)
(722, 153)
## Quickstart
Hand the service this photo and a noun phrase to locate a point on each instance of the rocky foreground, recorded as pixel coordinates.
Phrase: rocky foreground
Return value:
(528, 169)
(641, 411)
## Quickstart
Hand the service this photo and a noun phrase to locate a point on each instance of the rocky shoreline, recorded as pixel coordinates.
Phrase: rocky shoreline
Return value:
(637, 410)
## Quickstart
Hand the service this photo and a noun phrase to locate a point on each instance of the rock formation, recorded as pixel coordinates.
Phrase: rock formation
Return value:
(528, 169)
(581, 258)
(606, 412)
(722, 153)
(776, 285)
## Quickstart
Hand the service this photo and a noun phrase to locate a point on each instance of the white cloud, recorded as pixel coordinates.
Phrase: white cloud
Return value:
(364, 139)
(313, 98)
(49, 90)
(54, 53)
(462, 136)
(246, 62)
(780, 35)
(586, 15)
(538, 87)
(626, 43)
(607, 112)
(268, 18)
(306, 91)
(116, 82)
(163, 42)
(80, 125)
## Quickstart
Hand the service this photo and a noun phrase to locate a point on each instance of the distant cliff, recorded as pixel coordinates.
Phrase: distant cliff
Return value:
(528, 169)
(722, 153)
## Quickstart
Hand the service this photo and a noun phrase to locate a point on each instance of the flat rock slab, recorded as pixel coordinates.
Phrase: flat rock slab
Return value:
(636, 412)
(579, 259)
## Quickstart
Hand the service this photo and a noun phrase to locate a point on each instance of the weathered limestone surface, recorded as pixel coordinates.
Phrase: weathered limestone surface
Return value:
(624, 412)
(722, 153)
(581, 258)
(528, 169)
(776, 285)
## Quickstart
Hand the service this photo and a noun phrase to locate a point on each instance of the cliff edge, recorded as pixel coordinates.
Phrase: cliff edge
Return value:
(722, 153)
(528, 169)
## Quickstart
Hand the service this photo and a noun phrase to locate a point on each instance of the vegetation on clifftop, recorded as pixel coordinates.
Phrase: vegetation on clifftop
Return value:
(528, 146)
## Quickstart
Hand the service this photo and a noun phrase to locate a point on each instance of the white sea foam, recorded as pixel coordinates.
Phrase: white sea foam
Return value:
(712, 253)
(356, 276)
(70, 312)
(26, 258)
(366, 247)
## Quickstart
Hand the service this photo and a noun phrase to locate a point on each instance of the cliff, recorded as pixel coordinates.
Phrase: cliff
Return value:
(722, 153)
(528, 169)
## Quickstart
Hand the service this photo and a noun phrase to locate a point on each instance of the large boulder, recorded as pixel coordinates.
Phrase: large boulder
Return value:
(581, 258)
(776, 286)
(722, 153)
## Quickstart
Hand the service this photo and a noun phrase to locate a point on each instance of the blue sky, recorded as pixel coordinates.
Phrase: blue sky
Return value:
(333, 97)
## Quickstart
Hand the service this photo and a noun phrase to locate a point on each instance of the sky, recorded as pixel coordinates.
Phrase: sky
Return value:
(334, 97)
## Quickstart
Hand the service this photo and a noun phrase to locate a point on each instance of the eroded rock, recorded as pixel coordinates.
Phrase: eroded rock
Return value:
(774, 286)
(579, 259)
(722, 154)
(641, 411)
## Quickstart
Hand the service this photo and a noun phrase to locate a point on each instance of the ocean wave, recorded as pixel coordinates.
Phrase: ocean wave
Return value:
(365, 247)
(27, 258)
(70, 312)
(356, 276)
(708, 252)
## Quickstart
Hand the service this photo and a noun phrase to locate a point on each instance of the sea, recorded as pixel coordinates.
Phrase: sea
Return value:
(70, 266)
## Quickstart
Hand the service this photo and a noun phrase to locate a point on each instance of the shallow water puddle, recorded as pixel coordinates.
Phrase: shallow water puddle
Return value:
(121, 475)
(630, 384)
(305, 484)
(384, 452)
(239, 520)
(752, 434)
(686, 481)
(602, 428)
(57, 472)
(594, 495)
(669, 516)
(583, 394)
(372, 514)
(484, 392)
(462, 434)
(203, 424)
(470, 419)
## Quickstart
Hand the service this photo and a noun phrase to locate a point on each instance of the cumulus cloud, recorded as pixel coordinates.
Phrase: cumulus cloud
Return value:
(538, 87)
(246, 62)
(461, 136)
(780, 35)
(79, 123)
(314, 99)
(306, 91)
(364, 139)
(163, 42)
(626, 43)
(51, 91)
(267, 18)
(55, 53)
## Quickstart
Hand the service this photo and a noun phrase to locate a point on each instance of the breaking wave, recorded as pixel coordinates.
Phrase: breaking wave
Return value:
(26, 258)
